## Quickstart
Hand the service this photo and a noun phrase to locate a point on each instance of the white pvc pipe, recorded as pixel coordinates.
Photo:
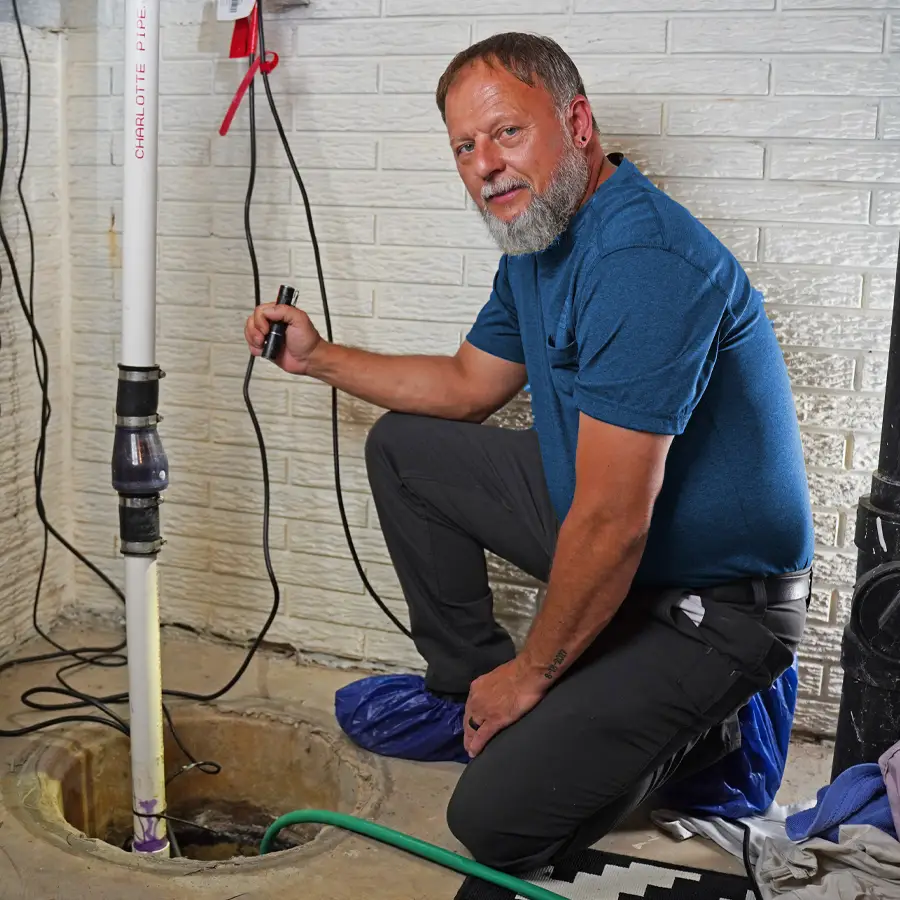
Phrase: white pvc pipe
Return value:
(145, 693)
(139, 209)
(139, 225)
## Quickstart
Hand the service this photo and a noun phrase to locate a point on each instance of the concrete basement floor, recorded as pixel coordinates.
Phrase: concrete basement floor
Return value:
(34, 869)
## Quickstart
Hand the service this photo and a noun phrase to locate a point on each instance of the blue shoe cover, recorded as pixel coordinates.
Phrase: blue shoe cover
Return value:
(745, 782)
(394, 715)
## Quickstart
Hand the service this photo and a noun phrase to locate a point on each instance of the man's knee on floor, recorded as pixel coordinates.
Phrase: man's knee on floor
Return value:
(482, 825)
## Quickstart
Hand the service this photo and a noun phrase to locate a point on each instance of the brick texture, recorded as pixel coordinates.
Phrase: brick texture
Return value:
(21, 534)
(777, 122)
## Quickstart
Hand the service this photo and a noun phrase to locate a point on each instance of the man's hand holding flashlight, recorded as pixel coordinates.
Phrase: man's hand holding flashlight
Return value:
(301, 338)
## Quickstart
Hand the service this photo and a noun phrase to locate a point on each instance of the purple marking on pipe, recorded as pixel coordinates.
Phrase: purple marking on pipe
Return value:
(148, 841)
(153, 845)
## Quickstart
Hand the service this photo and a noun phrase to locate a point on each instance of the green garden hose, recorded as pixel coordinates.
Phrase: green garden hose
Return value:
(411, 845)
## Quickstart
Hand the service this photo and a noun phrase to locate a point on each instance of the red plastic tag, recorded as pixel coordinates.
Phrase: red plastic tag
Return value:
(267, 66)
(244, 38)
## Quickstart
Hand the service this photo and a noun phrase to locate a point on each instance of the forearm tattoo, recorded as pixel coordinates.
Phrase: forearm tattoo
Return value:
(553, 668)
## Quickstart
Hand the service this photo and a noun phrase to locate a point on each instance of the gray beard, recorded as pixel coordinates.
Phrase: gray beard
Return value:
(548, 215)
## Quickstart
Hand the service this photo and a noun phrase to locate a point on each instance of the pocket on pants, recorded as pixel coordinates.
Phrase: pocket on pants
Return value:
(712, 687)
(734, 655)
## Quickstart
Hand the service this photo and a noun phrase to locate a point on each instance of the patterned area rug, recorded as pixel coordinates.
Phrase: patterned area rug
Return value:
(597, 875)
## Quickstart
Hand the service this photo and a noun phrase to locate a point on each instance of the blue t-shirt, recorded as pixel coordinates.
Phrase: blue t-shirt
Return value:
(638, 316)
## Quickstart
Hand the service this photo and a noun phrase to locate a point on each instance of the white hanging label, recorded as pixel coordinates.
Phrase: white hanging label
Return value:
(232, 10)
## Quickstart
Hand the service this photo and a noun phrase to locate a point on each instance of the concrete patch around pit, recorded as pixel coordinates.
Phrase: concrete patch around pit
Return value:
(68, 789)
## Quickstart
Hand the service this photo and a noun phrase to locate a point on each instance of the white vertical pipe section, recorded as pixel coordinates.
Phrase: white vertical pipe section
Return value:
(141, 175)
(139, 225)
(148, 777)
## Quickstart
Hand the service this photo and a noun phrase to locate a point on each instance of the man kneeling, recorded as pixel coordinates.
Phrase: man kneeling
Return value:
(661, 494)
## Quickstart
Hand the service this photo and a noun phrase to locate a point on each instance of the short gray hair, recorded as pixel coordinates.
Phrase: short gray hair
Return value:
(529, 57)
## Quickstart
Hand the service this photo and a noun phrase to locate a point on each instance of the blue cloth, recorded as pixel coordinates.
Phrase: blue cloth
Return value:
(394, 715)
(858, 796)
(638, 316)
(745, 782)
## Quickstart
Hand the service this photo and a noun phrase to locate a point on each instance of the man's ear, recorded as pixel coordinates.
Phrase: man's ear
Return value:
(580, 121)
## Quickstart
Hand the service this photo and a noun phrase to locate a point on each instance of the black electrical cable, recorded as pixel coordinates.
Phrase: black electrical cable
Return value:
(748, 865)
(40, 357)
(38, 350)
(328, 330)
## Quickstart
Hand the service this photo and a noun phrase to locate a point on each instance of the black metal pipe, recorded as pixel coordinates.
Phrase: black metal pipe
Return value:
(886, 483)
(869, 715)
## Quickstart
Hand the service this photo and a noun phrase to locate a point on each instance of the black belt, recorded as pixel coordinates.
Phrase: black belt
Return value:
(777, 589)
(793, 586)
(780, 602)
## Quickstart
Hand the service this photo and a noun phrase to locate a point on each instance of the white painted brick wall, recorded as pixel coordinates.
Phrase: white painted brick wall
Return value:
(812, 33)
(776, 121)
(21, 535)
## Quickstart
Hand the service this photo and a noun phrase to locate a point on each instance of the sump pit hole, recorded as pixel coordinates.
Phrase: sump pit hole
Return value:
(269, 768)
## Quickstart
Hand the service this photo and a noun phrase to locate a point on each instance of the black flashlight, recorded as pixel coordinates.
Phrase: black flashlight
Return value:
(275, 338)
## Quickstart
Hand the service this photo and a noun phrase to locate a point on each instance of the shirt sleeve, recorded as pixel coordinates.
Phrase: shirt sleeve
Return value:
(496, 329)
(647, 326)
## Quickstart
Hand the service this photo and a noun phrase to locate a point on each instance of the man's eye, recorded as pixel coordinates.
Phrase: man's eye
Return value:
(510, 131)
(464, 148)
